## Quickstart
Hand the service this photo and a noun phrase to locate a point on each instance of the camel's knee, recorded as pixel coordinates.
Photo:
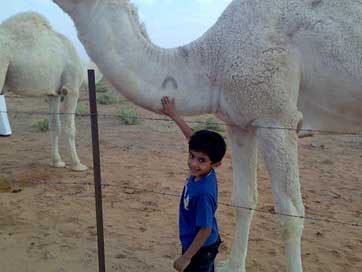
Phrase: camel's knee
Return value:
(243, 212)
(244, 205)
(290, 215)
(69, 131)
(290, 228)
(54, 123)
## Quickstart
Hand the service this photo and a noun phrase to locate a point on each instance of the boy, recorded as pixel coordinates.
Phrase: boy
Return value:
(5, 129)
(198, 228)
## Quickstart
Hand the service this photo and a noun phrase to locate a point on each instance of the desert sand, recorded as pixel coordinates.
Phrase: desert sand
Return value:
(47, 215)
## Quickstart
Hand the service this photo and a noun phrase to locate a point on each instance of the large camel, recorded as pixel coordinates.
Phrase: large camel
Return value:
(36, 61)
(262, 64)
(90, 66)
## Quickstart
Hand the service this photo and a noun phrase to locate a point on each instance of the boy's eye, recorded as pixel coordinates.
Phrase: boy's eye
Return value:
(201, 160)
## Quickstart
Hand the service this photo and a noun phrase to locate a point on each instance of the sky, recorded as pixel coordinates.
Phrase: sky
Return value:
(169, 23)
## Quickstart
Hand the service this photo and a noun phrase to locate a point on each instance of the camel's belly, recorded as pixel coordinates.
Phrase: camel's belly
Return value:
(331, 104)
(29, 78)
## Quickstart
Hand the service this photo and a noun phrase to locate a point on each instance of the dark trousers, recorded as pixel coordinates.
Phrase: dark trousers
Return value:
(203, 260)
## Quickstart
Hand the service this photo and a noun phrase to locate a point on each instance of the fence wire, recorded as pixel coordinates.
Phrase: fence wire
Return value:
(177, 195)
(115, 116)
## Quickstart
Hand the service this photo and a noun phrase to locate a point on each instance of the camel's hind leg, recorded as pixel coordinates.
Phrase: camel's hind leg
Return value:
(70, 106)
(55, 127)
(279, 149)
(244, 195)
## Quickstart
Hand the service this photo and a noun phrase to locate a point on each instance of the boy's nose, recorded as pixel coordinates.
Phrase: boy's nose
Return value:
(193, 163)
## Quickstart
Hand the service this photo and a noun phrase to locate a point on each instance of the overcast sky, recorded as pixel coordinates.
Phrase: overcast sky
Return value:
(169, 22)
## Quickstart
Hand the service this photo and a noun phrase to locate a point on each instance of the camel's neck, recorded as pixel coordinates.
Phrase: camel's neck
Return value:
(141, 71)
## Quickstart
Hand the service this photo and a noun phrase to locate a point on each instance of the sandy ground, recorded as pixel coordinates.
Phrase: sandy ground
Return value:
(49, 226)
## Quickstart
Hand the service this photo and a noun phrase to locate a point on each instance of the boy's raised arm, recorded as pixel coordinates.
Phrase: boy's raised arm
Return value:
(169, 109)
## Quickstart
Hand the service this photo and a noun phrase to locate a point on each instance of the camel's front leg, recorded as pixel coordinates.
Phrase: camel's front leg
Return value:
(279, 148)
(55, 127)
(244, 195)
(70, 106)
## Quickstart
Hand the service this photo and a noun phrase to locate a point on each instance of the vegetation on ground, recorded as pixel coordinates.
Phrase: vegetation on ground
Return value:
(82, 109)
(210, 123)
(129, 117)
(106, 99)
(42, 125)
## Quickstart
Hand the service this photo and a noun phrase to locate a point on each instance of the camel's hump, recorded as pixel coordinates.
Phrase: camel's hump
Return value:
(34, 18)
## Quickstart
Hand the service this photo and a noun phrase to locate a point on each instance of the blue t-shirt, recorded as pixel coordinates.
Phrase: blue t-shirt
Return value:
(198, 205)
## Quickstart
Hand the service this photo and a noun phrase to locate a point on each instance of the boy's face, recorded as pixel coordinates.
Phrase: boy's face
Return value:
(200, 164)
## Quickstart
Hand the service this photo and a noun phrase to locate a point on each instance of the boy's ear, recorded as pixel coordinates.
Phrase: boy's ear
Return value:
(216, 164)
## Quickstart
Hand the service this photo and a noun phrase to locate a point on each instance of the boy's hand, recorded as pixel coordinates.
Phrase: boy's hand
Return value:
(181, 263)
(168, 106)
(169, 109)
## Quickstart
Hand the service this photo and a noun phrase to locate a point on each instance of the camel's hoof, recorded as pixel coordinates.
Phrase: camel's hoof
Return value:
(79, 167)
(58, 164)
(224, 266)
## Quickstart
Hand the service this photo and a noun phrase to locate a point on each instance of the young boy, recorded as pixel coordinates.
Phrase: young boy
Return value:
(198, 228)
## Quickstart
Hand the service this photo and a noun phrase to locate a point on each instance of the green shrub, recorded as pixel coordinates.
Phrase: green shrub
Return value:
(129, 117)
(43, 125)
(106, 100)
(82, 109)
(211, 124)
(101, 87)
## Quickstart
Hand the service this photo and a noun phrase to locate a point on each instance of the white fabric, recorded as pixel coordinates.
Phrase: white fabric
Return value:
(5, 129)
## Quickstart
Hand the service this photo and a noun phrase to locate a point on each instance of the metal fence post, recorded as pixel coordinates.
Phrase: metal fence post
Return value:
(96, 168)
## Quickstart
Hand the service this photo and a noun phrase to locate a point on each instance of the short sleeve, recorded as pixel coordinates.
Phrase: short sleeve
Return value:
(204, 212)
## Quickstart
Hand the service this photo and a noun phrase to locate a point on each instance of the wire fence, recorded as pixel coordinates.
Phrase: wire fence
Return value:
(115, 116)
(105, 185)
(311, 217)
(98, 185)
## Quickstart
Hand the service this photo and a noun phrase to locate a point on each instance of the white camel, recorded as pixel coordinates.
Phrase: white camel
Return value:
(36, 61)
(97, 73)
(259, 66)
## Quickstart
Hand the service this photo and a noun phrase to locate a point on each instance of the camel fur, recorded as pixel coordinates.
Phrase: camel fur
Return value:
(97, 73)
(261, 66)
(36, 61)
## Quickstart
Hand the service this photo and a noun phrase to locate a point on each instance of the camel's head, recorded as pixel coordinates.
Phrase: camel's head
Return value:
(88, 8)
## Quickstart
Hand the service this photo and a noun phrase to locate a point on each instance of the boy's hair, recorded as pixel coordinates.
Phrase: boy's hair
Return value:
(209, 142)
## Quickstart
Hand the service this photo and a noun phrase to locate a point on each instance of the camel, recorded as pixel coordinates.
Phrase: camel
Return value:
(90, 66)
(262, 68)
(36, 61)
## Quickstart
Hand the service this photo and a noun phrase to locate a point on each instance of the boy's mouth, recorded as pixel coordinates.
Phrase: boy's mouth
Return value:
(194, 170)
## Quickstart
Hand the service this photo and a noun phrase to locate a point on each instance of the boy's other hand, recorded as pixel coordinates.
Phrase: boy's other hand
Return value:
(168, 106)
(181, 263)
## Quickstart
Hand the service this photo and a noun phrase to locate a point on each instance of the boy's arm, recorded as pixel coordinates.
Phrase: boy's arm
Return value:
(183, 261)
(169, 109)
